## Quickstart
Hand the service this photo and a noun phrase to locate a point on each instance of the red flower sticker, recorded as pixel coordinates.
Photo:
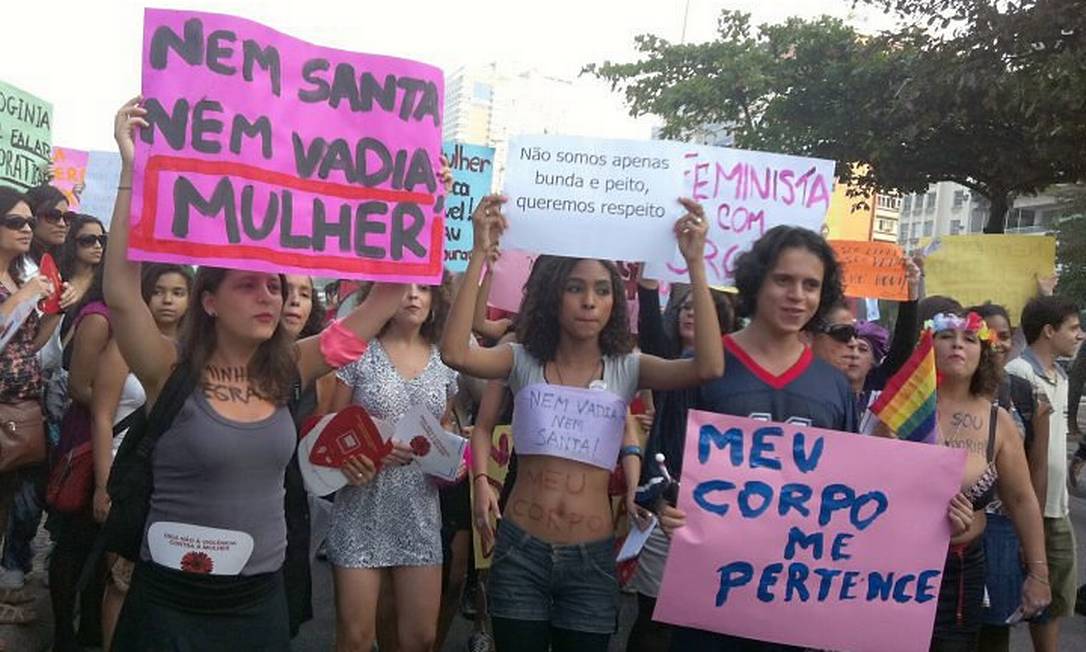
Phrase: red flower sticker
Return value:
(420, 446)
(197, 562)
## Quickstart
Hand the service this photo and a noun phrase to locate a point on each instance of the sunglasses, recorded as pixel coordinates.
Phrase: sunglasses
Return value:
(17, 222)
(88, 241)
(843, 333)
(55, 216)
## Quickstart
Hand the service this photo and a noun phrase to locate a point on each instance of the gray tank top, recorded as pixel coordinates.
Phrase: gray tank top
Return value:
(217, 502)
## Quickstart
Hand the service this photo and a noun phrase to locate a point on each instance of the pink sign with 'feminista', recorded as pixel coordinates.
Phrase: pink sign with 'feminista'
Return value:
(809, 537)
(271, 154)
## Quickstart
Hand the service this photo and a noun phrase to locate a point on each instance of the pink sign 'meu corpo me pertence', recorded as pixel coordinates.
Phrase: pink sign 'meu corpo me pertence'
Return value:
(809, 537)
(271, 154)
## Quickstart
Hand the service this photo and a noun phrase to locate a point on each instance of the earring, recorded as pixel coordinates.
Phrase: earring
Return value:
(212, 314)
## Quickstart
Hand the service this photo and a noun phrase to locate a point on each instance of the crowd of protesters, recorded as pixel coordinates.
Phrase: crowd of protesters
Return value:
(214, 371)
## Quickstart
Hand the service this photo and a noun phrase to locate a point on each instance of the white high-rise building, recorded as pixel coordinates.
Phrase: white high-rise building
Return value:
(485, 105)
(948, 208)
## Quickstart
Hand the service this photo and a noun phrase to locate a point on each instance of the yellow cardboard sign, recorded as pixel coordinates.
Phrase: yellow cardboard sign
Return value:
(1002, 269)
(497, 467)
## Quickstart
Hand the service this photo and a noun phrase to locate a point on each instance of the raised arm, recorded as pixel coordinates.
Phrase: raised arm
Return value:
(89, 342)
(485, 509)
(363, 323)
(708, 360)
(492, 329)
(109, 377)
(150, 354)
(490, 363)
(906, 331)
(1018, 498)
(650, 321)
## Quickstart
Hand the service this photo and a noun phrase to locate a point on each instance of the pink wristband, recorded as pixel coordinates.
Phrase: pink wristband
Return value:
(340, 346)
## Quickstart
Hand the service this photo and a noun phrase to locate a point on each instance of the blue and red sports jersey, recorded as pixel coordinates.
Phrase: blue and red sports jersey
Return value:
(812, 392)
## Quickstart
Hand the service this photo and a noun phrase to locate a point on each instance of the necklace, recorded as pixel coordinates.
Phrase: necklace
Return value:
(562, 381)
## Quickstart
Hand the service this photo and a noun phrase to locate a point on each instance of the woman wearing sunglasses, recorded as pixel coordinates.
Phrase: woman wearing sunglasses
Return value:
(82, 251)
(50, 209)
(23, 331)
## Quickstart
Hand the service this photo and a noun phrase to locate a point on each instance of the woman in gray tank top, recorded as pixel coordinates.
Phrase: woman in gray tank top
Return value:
(209, 576)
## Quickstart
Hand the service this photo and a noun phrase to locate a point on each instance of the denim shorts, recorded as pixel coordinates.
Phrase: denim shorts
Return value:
(1003, 575)
(572, 586)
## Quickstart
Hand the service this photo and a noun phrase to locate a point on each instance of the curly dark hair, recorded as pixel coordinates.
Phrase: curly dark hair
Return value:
(538, 327)
(440, 304)
(752, 267)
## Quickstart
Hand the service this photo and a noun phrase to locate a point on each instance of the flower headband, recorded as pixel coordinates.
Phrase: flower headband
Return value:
(947, 321)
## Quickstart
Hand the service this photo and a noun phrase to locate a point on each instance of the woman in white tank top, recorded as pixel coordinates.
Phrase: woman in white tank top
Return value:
(115, 395)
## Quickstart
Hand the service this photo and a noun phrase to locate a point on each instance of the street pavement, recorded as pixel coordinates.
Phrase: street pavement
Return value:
(317, 635)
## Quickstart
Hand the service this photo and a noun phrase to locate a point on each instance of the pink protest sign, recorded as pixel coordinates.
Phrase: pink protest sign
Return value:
(70, 173)
(809, 537)
(509, 276)
(271, 154)
(512, 270)
(745, 193)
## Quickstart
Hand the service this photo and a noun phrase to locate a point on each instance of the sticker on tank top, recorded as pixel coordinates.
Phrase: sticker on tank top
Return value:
(198, 549)
(583, 425)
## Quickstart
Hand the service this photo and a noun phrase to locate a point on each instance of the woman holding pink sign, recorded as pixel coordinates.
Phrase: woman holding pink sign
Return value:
(211, 542)
(573, 374)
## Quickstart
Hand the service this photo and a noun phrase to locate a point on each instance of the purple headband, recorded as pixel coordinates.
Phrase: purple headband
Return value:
(876, 336)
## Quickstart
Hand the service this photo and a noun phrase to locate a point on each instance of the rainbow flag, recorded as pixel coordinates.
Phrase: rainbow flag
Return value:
(907, 405)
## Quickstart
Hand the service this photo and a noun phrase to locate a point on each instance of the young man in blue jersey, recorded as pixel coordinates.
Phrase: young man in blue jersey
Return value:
(787, 279)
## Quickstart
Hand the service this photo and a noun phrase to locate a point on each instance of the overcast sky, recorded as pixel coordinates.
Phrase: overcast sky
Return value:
(83, 55)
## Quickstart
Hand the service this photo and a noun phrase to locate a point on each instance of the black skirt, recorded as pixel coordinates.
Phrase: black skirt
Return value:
(961, 595)
(171, 611)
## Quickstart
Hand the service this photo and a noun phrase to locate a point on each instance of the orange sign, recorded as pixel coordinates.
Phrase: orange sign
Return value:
(873, 270)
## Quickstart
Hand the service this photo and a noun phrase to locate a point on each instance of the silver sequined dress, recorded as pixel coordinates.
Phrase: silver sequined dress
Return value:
(395, 520)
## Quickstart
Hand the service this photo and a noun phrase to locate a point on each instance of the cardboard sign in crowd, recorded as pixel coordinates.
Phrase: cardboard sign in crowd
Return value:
(265, 152)
(809, 537)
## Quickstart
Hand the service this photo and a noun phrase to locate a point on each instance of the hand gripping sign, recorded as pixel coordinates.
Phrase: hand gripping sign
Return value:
(839, 536)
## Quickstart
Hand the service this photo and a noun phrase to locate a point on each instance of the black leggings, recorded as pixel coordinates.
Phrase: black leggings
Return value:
(512, 635)
(648, 635)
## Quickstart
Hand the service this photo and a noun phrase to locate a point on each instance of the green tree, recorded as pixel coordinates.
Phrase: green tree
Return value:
(994, 99)
(1071, 244)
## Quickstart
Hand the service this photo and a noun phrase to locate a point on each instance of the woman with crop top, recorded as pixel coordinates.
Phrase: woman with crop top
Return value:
(209, 575)
(968, 419)
(552, 580)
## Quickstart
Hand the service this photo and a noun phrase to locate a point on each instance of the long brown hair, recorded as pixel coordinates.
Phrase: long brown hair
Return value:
(272, 370)
(440, 304)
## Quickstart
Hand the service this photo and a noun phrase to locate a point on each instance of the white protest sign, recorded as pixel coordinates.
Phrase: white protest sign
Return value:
(438, 453)
(746, 193)
(593, 197)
